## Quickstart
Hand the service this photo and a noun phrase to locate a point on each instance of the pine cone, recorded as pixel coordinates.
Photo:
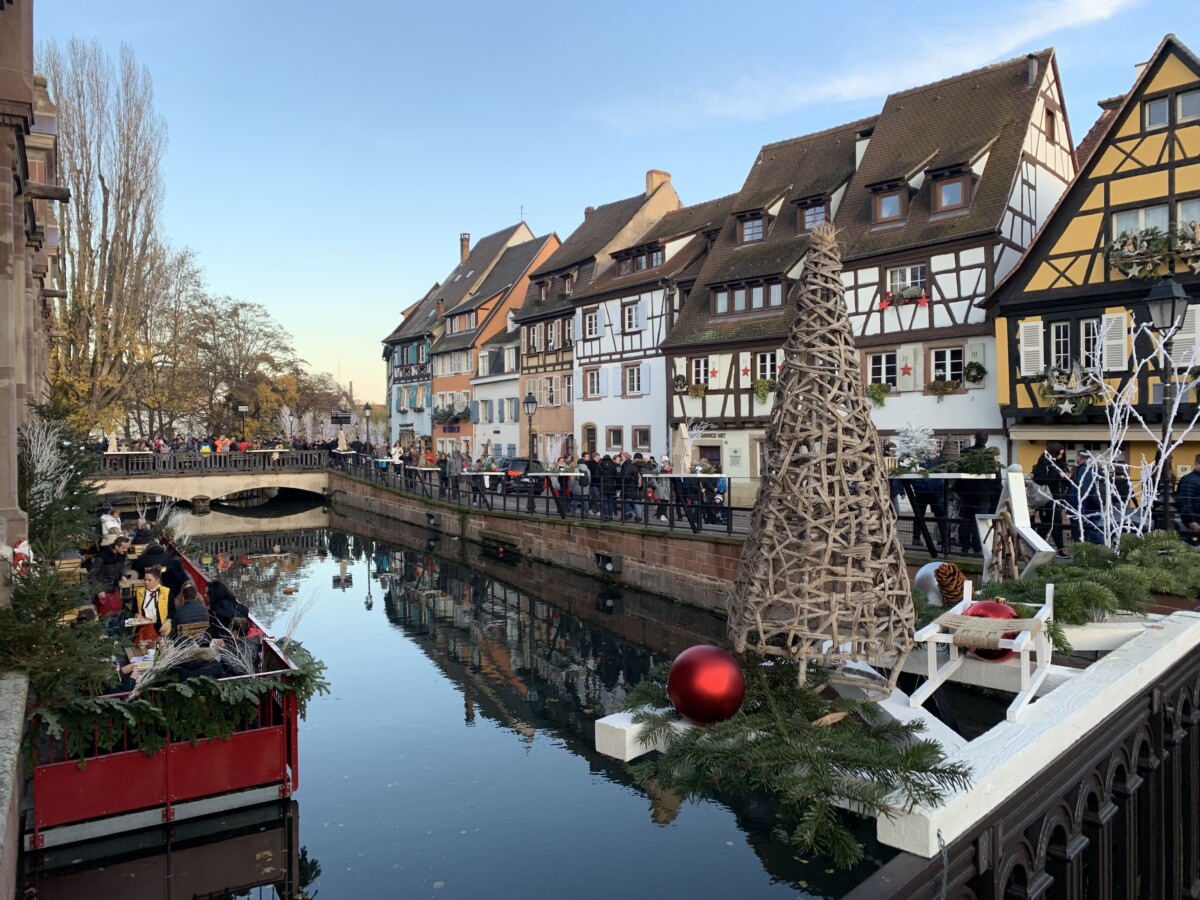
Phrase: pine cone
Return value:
(950, 583)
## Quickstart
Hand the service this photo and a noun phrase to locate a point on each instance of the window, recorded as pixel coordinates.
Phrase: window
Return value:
(752, 230)
(757, 295)
(882, 368)
(591, 324)
(902, 278)
(656, 258)
(551, 335)
(700, 370)
(767, 367)
(1060, 345)
(1189, 106)
(568, 283)
(551, 391)
(514, 409)
(641, 438)
(812, 216)
(1156, 112)
(1089, 343)
(632, 377)
(568, 389)
(950, 193)
(589, 438)
(722, 302)
(533, 339)
(739, 300)
(568, 328)
(639, 262)
(615, 438)
(947, 363)
(510, 359)
(1050, 126)
(422, 354)
(591, 383)
(888, 207)
(629, 317)
(1189, 211)
(625, 266)
(1130, 221)
(541, 290)
(775, 294)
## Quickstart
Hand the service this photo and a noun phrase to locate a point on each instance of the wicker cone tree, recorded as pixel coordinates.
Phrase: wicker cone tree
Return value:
(822, 576)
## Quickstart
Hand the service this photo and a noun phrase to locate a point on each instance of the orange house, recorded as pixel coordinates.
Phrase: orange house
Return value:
(498, 269)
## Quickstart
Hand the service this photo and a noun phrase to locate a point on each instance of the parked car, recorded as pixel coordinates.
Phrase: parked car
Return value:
(521, 475)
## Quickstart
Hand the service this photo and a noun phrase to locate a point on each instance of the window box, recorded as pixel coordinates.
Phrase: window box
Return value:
(877, 393)
(1142, 254)
(697, 390)
(763, 387)
(941, 389)
(905, 297)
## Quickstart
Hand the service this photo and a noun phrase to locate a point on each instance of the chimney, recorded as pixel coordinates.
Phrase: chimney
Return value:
(1033, 69)
(464, 246)
(1138, 68)
(441, 308)
(655, 177)
(588, 210)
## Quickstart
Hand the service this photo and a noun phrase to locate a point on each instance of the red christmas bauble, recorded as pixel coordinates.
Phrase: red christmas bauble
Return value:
(993, 609)
(706, 684)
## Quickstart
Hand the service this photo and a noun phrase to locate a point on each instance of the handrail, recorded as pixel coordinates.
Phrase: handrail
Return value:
(144, 464)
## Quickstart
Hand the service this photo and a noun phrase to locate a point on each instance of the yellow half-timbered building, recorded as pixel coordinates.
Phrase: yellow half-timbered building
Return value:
(1076, 298)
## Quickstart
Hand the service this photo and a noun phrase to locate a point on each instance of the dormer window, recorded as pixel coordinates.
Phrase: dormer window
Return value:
(656, 258)
(752, 230)
(889, 207)
(541, 290)
(813, 215)
(624, 266)
(639, 262)
(1156, 112)
(567, 280)
(951, 193)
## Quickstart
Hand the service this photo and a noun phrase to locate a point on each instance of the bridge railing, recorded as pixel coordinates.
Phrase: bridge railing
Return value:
(118, 465)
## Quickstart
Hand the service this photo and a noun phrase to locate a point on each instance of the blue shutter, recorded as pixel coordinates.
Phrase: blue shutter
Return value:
(603, 378)
(502, 404)
(474, 412)
(645, 367)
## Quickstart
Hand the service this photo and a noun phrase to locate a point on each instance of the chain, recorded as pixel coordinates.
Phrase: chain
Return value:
(945, 864)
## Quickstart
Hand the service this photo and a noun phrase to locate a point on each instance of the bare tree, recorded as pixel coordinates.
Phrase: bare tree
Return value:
(111, 141)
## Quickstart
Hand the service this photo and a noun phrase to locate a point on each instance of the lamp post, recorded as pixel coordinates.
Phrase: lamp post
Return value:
(367, 416)
(1167, 305)
(530, 404)
(243, 409)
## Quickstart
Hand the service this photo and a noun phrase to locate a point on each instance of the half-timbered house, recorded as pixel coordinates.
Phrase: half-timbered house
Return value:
(934, 198)
(621, 322)
(496, 393)
(549, 318)
(505, 260)
(1077, 296)
(410, 386)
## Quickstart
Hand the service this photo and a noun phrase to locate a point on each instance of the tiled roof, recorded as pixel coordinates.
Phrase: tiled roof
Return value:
(503, 338)
(598, 227)
(698, 217)
(504, 274)
(459, 341)
(1091, 140)
(416, 321)
(471, 271)
(535, 308)
(795, 169)
(943, 124)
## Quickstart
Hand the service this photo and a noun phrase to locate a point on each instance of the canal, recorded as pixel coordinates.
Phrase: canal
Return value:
(454, 755)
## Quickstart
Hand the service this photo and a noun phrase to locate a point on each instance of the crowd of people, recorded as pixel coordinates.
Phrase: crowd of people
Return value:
(211, 443)
(149, 590)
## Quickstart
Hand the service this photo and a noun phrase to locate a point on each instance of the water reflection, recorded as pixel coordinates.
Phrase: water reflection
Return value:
(465, 691)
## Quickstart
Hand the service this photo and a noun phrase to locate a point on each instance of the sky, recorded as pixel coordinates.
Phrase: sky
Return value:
(324, 157)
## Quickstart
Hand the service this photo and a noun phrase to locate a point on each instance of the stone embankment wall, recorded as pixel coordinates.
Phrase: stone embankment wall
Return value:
(696, 569)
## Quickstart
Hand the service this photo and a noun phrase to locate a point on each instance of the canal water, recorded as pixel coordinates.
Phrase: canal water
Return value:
(454, 755)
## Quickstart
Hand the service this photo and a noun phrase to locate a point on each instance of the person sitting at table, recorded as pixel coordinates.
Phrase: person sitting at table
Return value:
(143, 534)
(189, 611)
(154, 604)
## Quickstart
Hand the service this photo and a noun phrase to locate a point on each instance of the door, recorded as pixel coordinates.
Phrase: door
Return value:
(711, 455)
(589, 439)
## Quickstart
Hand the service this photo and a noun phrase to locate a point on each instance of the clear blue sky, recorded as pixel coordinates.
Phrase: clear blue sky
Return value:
(325, 156)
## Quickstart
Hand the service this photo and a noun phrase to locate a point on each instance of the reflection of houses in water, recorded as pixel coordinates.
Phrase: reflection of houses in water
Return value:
(251, 852)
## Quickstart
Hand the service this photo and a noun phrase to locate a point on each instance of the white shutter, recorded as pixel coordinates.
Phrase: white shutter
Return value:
(1032, 354)
(645, 367)
(643, 313)
(976, 353)
(617, 319)
(1185, 345)
(600, 321)
(603, 378)
(906, 358)
(1115, 351)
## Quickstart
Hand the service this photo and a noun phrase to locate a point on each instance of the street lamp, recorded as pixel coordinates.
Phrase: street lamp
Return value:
(367, 416)
(530, 405)
(243, 409)
(1167, 305)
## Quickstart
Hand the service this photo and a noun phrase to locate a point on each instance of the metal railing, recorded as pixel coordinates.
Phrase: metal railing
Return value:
(134, 464)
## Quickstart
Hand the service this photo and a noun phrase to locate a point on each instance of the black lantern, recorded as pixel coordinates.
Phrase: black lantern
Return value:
(1167, 303)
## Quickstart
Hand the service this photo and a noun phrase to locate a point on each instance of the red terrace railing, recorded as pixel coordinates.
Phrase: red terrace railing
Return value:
(263, 751)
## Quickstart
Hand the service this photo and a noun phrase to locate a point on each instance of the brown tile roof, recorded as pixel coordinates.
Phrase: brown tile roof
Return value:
(943, 124)
(1091, 140)
(795, 169)
(504, 274)
(598, 227)
(414, 317)
(697, 218)
(534, 308)
(471, 271)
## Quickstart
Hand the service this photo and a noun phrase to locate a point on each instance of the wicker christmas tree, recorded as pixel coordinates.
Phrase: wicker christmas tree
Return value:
(822, 576)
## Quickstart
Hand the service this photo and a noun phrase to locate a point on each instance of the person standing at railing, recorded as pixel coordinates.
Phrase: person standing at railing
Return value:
(593, 466)
(454, 471)
(1187, 501)
(610, 485)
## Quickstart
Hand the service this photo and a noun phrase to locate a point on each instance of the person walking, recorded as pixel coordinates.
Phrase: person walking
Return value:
(610, 483)
(1050, 473)
(593, 464)
(1187, 501)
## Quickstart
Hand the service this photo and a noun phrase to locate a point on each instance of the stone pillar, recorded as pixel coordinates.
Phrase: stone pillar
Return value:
(12, 518)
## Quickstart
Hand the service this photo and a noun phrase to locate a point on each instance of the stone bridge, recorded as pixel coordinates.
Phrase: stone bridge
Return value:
(210, 476)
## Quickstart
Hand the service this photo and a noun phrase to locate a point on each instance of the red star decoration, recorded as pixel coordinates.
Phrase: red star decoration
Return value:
(779, 368)
(746, 371)
(923, 301)
(712, 373)
(906, 370)
(885, 303)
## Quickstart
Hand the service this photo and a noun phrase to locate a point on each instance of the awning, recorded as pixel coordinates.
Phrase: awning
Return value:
(1076, 432)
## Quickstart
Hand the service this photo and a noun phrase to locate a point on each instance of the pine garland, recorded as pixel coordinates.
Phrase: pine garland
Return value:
(812, 752)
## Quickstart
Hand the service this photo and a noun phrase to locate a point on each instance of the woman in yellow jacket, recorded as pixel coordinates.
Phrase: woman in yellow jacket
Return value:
(154, 603)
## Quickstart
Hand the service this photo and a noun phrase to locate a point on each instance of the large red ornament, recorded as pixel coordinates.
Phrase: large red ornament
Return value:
(706, 684)
(993, 609)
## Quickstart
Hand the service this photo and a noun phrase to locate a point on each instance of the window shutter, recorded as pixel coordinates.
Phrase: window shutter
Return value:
(599, 321)
(412, 396)
(502, 404)
(1185, 345)
(976, 353)
(1115, 351)
(1033, 358)
(645, 367)
(474, 412)
(642, 313)
(906, 357)
(603, 378)
(617, 319)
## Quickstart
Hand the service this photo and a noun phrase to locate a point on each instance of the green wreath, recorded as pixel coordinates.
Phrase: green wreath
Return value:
(974, 372)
